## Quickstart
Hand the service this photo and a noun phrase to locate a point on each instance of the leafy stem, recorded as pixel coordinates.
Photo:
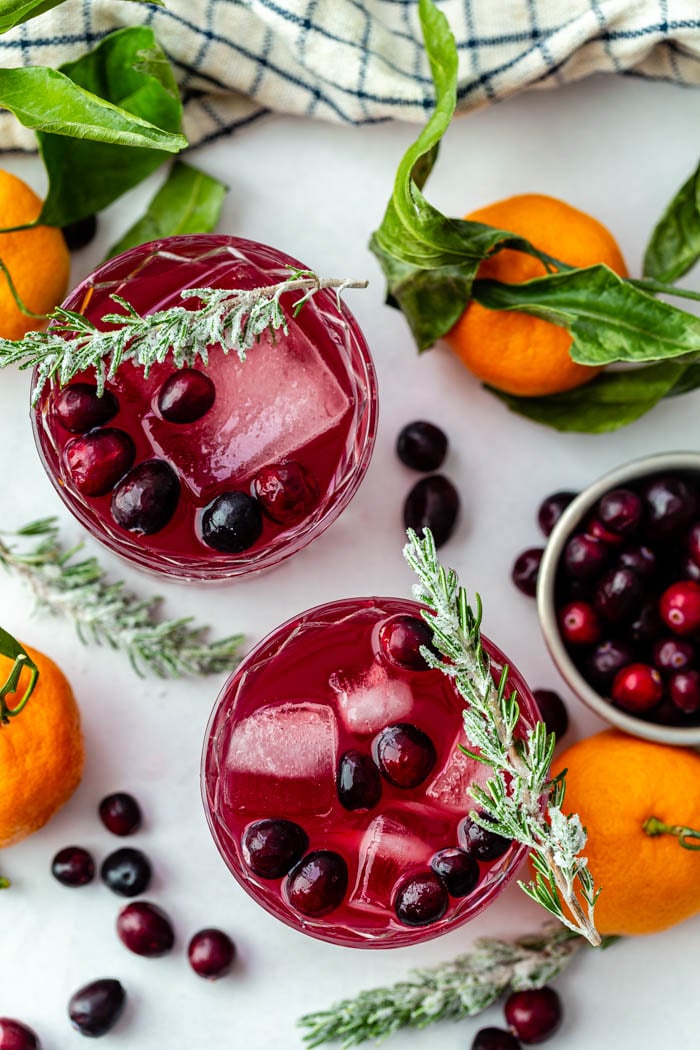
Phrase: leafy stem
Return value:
(11, 648)
(519, 802)
(688, 838)
(233, 319)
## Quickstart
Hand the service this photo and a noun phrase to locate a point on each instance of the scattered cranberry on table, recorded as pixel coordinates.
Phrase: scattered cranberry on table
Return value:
(211, 953)
(432, 503)
(551, 509)
(73, 866)
(17, 1036)
(525, 570)
(126, 872)
(120, 813)
(96, 1007)
(533, 1015)
(80, 233)
(145, 929)
(422, 446)
(494, 1039)
(552, 711)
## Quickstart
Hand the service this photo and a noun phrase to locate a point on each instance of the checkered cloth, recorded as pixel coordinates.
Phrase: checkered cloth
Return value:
(362, 61)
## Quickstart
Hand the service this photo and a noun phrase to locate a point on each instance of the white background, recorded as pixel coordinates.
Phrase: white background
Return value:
(615, 147)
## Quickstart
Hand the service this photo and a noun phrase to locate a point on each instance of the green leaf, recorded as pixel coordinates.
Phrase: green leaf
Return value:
(11, 648)
(129, 71)
(674, 246)
(188, 202)
(608, 318)
(14, 12)
(608, 402)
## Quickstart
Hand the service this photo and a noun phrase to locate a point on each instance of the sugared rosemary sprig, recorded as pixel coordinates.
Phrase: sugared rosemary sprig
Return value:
(519, 802)
(230, 318)
(109, 614)
(448, 992)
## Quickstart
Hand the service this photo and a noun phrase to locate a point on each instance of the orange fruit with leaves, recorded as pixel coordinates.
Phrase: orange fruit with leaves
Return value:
(41, 748)
(513, 351)
(640, 805)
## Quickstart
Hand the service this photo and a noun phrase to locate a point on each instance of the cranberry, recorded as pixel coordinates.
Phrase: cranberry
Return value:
(401, 638)
(432, 503)
(551, 509)
(421, 446)
(287, 491)
(606, 660)
(73, 866)
(684, 690)
(146, 499)
(646, 625)
(186, 396)
(494, 1039)
(457, 869)
(145, 929)
(679, 606)
(552, 711)
(96, 461)
(358, 783)
(271, 848)
(585, 557)
(690, 570)
(525, 570)
(641, 560)
(620, 510)
(78, 408)
(120, 813)
(479, 842)
(78, 234)
(673, 654)
(694, 543)
(670, 506)
(598, 531)
(17, 1036)
(211, 953)
(421, 900)
(127, 872)
(96, 1007)
(579, 624)
(232, 522)
(318, 883)
(617, 595)
(534, 1015)
(404, 754)
(637, 687)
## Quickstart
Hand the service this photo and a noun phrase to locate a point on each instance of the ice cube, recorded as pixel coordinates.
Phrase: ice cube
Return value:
(372, 701)
(267, 408)
(393, 844)
(281, 760)
(450, 785)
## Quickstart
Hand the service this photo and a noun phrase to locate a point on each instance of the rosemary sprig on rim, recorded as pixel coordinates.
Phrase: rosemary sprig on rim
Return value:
(519, 801)
(230, 318)
(109, 614)
(448, 992)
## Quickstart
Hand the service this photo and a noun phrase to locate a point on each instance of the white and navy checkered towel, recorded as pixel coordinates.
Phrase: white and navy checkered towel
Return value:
(363, 60)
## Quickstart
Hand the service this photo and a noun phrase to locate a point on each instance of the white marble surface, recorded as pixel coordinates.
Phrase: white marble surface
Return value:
(614, 147)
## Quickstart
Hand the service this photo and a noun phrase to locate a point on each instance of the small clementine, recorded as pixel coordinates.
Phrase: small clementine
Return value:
(41, 750)
(616, 783)
(513, 351)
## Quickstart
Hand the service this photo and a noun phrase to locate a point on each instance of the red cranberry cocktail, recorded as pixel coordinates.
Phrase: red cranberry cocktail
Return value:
(211, 471)
(334, 784)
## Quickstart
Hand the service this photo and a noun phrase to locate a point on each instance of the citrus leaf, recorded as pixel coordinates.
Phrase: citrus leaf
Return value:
(14, 12)
(189, 201)
(11, 648)
(133, 77)
(674, 246)
(608, 317)
(608, 402)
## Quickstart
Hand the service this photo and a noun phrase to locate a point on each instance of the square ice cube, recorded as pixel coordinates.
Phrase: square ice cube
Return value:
(450, 785)
(393, 844)
(281, 760)
(372, 701)
(267, 407)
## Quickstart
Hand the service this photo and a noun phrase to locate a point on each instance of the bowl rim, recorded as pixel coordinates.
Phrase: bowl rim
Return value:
(683, 736)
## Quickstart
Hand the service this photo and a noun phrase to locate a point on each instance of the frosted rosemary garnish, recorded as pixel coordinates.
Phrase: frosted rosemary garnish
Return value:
(448, 992)
(109, 614)
(519, 802)
(232, 319)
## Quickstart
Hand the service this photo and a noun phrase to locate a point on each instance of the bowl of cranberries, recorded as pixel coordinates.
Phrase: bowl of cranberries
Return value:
(618, 595)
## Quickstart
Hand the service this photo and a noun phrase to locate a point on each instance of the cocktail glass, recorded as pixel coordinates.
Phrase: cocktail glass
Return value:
(334, 785)
(289, 431)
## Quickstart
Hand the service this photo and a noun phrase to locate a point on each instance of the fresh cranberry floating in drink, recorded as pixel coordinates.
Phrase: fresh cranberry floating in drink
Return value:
(120, 813)
(145, 929)
(290, 429)
(335, 787)
(14, 1035)
(211, 953)
(96, 1007)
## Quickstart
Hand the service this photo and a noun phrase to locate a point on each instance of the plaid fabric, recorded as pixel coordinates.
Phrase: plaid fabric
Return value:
(362, 61)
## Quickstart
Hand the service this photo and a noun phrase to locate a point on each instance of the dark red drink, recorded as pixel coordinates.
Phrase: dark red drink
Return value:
(213, 470)
(334, 785)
